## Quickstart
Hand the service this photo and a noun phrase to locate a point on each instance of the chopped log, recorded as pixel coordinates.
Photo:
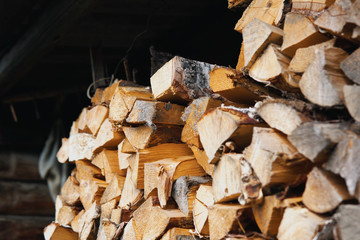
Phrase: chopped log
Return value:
(241, 59)
(59, 203)
(323, 81)
(204, 200)
(81, 146)
(80, 126)
(222, 82)
(275, 161)
(126, 147)
(66, 215)
(161, 174)
(352, 101)
(283, 115)
(129, 231)
(347, 219)
(56, 232)
(106, 210)
(110, 228)
(310, 8)
(75, 223)
(225, 124)
(299, 223)
(91, 192)
(203, 160)
(344, 161)
(234, 178)
(113, 190)
(130, 195)
(231, 218)
(181, 80)
(267, 11)
(176, 233)
(97, 97)
(148, 136)
(63, 153)
(256, 36)
(351, 66)
(87, 224)
(19, 165)
(107, 137)
(123, 101)
(324, 191)
(95, 117)
(87, 171)
(155, 113)
(305, 56)
(70, 191)
(299, 32)
(325, 135)
(111, 163)
(272, 67)
(108, 93)
(269, 212)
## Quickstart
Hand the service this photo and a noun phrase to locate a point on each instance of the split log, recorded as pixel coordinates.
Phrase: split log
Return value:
(299, 223)
(325, 135)
(56, 232)
(203, 160)
(299, 32)
(347, 222)
(203, 201)
(106, 210)
(234, 178)
(113, 190)
(81, 146)
(275, 161)
(91, 192)
(87, 222)
(107, 93)
(75, 223)
(95, 117)
(237, 3)
(352, 101)
(63, 153)
(240, 65)
(80, 123)
(181, 80)
(86, 171)
(283, 115)
(176, 233)
(155, 113)
(70, 191)
(267, 11)
(19, 165)
(323, 81)
(148, 136)
(269, 212)
(351, 66)
(130, 232)
(225, 124)
(256, 36)
(110, 228)
(222, 82)
(66, 215)
(107, 137)
(110, 163)
(125, 151)
(226, 219)
(324, 191)
(310, 8)
(123, 101)
(126, 147)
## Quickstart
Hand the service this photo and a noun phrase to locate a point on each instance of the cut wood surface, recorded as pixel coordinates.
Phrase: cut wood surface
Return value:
(311, 8)
(203, 160)
(347, 221)
(107, 137)
(81, 146)
(113, 190)
(204, 200)
(351, 66)
(95, 117)
(55, 231)
(70, 191)
(352, 101)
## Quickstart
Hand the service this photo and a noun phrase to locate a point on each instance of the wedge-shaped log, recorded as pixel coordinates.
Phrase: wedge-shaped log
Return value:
(107, 137)
(55, 231)
(81, 146)
(123, 101)
(324, 191)
(106, 210)
(225, 124)
(203, 201)
(80, 123)
(66, 215)
(125, 150)
(113, 190)
(351, 66)
(203, 160)
(91, 192)
(256, 36)
(175, 233)
(75, 223)
(352, 100)
(87, 222)
(299, 223)
(347, 221)
(299, 32)
(130, 232)
(110, 163)
(267, 11)
(95, 117)
(109, 228)
(275, 161)
(323, 81)
(181, 80)
(70, 191)
(311, 8)
(87, 171)
(155, 112)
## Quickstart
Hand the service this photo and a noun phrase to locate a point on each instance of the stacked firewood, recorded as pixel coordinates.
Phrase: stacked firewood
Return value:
(269, 150)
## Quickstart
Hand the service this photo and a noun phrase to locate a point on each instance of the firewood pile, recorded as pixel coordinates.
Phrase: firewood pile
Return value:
(269, 150)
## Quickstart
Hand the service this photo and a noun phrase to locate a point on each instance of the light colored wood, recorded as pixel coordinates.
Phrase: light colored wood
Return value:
(324, 191)
(129, 231)
(299, 223)
(275, 160)
(125, 150)
(81, 146)
(310, 8)
(59, 203)
(351, 66)
(80, 126)
(75, 223)
(91, 192)
(347, 222)
(267, 11)
(113, 190)
(299, 32)
(148, 136)
(63, 153)
(181, 80)
(70, 192)
(352, 100)
(204, 200)
(106, 210)
(87, 171)
(123, 101)
(109, 228)
(108, 92)
(87, 223)
(203, 160)
(155, 112)
(107, 137)
(241, 59)
(126, 147)
(111, 163)
(174, 233)
(56, 232)
(66, 215)
(97, 97)
(95, 117)
(323, 81)
(225, 124)
(256, 36)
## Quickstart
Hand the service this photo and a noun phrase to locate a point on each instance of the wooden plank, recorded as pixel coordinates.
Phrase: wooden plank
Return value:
(19, 165)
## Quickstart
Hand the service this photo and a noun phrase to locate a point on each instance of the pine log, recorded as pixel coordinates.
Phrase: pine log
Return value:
(91, 192)
(70, 191)
(267, 11)
(225, 219)
(19, 165)
(324, 191)
(176, 233)
(123, 101)
(272, 67)
(87, 222)
(222, 83)
(299, 32)
(256, 36)
(275, 161)
(225, 124)
(299, 223)
(234, 178)
(283, 115)
(351, 66)
(155, 113)
(95, 117)
(161, 174)
(352, 100)
(181, 80)
(56, 232)
(347, 219)
(323, 81)
(310, 8)
(63, 153)
(81, 146)
(113, 190)
(325, 135)
(204, 200)
(148, 136)
(107, 137)
(203, 160)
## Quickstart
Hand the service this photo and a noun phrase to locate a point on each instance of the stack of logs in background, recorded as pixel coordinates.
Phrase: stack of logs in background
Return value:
(269, 150)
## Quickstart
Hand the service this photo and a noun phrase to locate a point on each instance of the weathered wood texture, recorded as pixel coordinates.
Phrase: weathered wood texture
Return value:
(19, 165)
